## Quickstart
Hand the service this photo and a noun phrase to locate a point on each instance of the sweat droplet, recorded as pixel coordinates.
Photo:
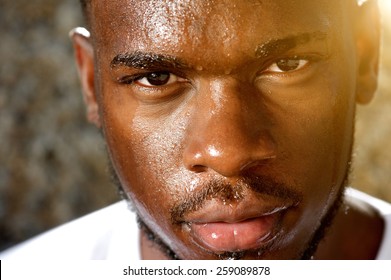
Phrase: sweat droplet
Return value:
(347, 208)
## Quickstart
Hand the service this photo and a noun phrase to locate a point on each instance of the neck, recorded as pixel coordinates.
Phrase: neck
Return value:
(355, 234)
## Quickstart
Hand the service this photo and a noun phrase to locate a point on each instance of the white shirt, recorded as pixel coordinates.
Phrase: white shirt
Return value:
(112, 234)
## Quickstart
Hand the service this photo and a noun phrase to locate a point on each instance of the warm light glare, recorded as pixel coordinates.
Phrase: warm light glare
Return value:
(385, 6)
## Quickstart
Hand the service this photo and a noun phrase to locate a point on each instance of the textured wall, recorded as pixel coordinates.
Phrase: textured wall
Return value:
(53, 164)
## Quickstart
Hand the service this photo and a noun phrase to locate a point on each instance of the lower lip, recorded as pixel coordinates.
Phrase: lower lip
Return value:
(222, 237)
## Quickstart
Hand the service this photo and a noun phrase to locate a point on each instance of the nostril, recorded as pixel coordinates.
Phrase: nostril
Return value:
(198, 168)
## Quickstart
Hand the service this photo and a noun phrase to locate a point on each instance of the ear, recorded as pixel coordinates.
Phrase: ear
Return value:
(84, 56)
(368, 44)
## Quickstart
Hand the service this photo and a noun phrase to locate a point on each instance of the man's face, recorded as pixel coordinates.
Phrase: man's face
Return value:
(229, 123)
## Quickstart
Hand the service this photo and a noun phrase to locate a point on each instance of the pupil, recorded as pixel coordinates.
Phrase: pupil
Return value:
(158, 78)
(288, 64)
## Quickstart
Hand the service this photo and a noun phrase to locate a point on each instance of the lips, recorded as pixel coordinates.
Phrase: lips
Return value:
(230, 237)
(225, 229)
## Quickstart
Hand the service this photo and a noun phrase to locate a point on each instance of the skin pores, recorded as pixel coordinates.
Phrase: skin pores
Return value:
(199, 99)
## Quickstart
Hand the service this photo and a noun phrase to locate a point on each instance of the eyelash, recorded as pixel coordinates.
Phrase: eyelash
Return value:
(304, 62)
(128, 80)
(308, 60)
(166, 81)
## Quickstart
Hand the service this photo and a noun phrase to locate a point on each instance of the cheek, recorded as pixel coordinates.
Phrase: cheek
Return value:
(146, 153)
(314, 125)
(157, 146)
(322, 144)
(159, 178)
(320, 140)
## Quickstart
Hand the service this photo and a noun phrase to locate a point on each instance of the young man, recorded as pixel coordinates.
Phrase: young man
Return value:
(230, 127)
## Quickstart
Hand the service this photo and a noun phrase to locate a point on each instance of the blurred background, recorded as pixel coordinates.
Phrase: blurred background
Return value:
(53, 166)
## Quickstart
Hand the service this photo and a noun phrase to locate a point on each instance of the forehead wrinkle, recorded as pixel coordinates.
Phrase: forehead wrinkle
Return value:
(282, 45)
(135, 34)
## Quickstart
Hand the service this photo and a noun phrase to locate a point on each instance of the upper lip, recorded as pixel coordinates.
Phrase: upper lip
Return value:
(214, 211)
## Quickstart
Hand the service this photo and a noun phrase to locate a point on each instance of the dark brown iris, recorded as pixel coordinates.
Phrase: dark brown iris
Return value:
(288, 64)
(158, 78)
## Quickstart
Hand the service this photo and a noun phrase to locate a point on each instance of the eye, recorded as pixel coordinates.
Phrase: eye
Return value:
(156, 79)
(287, 65)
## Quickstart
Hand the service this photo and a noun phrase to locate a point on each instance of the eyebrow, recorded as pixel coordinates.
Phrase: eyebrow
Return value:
(142, 60)
(149, 61)
(279, 46)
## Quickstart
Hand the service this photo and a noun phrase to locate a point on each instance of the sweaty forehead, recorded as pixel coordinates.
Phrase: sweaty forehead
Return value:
(166, 26)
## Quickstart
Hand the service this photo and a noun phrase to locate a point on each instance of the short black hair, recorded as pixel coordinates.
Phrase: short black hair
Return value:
(84, 4)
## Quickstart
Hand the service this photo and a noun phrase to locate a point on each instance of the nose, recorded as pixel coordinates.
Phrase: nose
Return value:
(229, 130)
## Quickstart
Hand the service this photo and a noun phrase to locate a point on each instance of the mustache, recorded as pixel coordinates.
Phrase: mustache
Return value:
(228, 192)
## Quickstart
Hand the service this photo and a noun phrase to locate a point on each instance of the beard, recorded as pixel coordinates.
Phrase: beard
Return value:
(325, 224)
(221, 191)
